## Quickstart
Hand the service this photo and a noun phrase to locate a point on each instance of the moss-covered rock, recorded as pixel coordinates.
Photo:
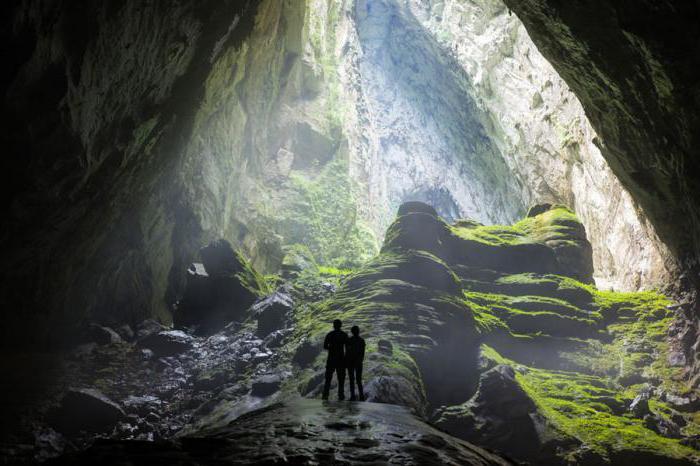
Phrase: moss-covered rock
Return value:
(554, 242)
(580, 355)
(408, 300)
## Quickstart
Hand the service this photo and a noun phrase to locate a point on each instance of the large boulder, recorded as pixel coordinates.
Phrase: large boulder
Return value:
(267, 385)
(500, 416)
(168, 342)
(86, 409)
(559, 229)
(102, 335)
(272, 312)
(219, 290)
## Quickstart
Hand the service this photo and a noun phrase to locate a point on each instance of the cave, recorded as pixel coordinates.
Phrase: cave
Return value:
(500, 194)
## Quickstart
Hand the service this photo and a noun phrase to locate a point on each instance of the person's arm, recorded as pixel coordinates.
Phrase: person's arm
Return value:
(327, 342)
(362, 350)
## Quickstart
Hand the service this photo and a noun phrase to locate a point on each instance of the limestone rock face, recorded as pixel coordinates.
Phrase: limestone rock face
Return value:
(539, 127)
(630, 68)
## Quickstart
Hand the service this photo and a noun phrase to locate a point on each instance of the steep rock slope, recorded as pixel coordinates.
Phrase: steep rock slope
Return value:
(590, 375)
(544, 136)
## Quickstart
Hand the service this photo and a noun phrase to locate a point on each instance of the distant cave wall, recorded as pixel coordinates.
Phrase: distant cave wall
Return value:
(541, 130)
(421, 131)
(98, 104)
(634, 67)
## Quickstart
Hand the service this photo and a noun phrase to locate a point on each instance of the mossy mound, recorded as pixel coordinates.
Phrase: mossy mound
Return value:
(552, 242)
(572, 358)
(408, 301)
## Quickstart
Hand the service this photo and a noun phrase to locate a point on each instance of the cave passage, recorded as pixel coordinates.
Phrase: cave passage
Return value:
(201, 188)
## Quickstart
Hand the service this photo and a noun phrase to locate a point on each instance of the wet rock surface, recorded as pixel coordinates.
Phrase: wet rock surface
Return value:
(502, 415)
(302, 431)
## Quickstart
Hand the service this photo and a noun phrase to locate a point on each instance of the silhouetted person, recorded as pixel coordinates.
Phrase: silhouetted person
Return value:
(354, 355)
(335, 345)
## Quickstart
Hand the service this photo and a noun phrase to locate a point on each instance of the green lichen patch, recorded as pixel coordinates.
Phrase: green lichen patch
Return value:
(590, 409)
(322, 214)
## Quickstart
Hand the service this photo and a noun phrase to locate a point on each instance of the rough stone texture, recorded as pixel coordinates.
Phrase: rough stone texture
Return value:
(540, 129)
(629, 65)
(500, 415)
(141, 134)
(418, 133)
(633, 67)
(167, 343)
(98, 101)
(301, 431)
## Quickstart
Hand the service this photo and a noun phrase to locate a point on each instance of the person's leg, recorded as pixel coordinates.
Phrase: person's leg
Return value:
(351, 376)
(358, 378)
(341, 383)
(327, 385)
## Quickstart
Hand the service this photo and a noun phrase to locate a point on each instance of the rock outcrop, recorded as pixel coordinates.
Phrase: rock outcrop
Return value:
(566, 355)
(219, 290)
(86, 410)
(301, 431)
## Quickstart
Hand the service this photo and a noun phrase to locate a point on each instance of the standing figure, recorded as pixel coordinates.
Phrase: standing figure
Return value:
(354, 355)
(335, 345)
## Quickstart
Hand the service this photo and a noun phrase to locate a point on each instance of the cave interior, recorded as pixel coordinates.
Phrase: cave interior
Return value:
(501, 194)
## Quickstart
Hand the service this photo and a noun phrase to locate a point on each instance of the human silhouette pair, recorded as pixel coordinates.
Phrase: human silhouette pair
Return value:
(344, 352)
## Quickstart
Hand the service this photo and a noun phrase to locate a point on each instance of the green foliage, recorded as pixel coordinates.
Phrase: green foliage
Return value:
(333, 271)
(579, 405)
(251, 279)
(322, 213)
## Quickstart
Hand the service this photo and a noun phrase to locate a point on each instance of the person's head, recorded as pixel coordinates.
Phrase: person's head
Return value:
(337, 324)
(355, 330)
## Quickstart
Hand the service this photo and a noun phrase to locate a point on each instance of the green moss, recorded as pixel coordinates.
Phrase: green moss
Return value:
(579, 406)
(251, 279)
(558, 223)
(333, 271)
(322, 213)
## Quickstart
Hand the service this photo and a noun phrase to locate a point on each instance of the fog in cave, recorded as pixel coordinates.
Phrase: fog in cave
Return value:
(501, 195)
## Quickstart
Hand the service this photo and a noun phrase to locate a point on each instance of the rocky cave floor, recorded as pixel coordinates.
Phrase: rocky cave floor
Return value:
(484, 335)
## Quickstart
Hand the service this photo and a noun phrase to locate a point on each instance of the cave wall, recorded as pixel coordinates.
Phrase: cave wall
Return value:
(633, 65)
(137, 133)
(540, 128)
(98, 105)
(141, 132)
